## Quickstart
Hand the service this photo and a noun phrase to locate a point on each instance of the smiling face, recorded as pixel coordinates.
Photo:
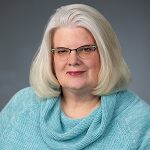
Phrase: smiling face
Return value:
(76, 73)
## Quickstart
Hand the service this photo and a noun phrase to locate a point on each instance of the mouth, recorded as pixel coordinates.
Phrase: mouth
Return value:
(75, 73)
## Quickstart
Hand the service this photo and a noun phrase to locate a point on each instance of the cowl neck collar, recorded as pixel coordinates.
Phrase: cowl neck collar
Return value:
(76, 134)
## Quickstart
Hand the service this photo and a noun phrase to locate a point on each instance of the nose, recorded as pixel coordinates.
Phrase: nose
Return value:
(73, 59)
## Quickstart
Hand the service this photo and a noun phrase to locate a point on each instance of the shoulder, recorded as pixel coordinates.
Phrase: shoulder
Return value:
(24, 103)
(16, 106)
(134, 117)
(21, 101)
(25, 93)
(131, 103)
(23, 98)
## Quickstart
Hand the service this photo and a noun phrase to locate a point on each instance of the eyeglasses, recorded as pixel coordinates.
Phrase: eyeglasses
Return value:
(84, 51)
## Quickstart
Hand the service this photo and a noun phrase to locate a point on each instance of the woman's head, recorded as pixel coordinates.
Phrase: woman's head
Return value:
(76, 59)
(113, 73)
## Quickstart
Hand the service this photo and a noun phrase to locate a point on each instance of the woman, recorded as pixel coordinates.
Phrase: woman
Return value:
(78, 97)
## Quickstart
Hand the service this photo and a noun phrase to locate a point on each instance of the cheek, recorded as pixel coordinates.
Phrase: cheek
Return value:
(95, 64)
(58, 67)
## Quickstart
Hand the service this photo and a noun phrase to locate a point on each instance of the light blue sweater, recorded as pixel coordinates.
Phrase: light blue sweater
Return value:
(122, 122)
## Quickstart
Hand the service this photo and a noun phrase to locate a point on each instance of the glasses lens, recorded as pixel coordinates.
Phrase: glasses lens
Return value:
(61, 52)
(86, 51)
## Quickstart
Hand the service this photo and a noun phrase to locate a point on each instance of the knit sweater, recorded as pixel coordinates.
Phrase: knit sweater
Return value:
(121, 122)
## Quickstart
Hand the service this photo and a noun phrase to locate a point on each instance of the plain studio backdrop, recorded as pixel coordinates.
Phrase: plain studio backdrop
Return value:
(22, 24)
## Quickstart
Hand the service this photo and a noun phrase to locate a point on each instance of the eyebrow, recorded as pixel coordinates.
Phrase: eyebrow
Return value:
(77, 47)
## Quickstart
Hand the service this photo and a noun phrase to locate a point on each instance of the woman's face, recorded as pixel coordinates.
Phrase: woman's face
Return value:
(76, 73)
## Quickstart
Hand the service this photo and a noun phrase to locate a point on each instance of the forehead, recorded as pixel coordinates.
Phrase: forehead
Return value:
(71, 36)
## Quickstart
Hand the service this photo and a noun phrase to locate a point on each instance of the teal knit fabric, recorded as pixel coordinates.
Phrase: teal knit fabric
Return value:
(121, 122)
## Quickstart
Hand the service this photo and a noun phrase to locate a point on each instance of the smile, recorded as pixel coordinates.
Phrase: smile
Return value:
(75, 73)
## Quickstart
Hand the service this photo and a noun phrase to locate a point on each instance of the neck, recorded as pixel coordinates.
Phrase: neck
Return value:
(79, 105)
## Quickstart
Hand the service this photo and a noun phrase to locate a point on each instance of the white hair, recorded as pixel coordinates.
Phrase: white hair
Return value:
(114, 74)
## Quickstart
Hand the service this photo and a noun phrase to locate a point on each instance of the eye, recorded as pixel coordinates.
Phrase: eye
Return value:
(87, 48)
(62, 51)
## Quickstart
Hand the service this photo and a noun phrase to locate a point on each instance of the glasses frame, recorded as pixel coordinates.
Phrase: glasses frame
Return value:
(53, 50)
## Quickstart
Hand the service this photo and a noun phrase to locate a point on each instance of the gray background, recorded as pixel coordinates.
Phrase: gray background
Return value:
(22, 23)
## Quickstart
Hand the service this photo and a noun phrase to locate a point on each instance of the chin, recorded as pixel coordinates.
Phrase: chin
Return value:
(80, 88)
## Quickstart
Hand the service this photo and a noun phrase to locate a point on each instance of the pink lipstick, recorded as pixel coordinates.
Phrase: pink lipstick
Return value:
(75, 73)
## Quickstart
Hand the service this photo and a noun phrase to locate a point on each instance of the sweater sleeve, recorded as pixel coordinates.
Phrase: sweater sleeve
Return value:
(17, 104)
(145, 135)
(138, 122)
(8, 113)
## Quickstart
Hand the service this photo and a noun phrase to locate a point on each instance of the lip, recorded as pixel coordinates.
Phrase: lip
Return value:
(75, 73)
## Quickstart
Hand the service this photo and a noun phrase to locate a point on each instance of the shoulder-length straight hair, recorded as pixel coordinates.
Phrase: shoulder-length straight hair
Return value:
(114, 74)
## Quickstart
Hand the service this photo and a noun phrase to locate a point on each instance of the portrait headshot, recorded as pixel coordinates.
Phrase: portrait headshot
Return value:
(75, 75)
